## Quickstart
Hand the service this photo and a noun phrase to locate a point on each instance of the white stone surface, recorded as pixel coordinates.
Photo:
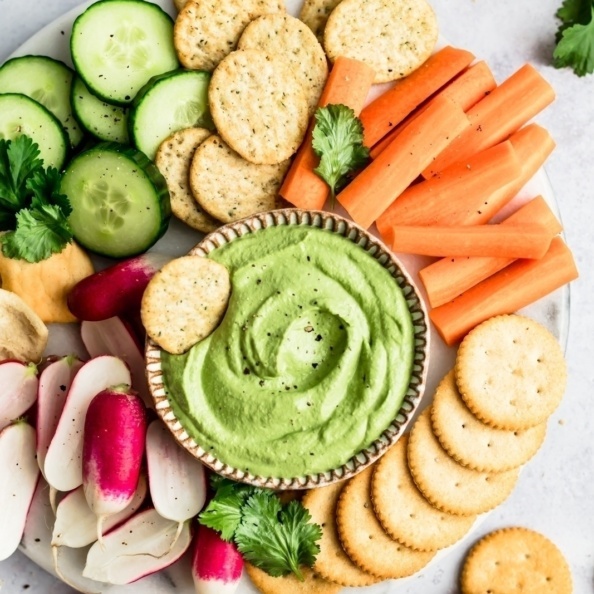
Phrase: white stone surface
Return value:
(555, 493)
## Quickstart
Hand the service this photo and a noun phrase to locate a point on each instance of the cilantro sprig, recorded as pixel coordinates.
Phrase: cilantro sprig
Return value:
(575, 37)
(32, 210)
(276, 538)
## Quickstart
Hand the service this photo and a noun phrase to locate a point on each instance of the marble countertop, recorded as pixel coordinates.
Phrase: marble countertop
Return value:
(555, 492)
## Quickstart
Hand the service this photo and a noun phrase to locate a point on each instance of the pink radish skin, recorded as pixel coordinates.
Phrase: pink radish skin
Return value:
(217, 565)
(113, 449)
(19, 472)
(113, 337)
(18, 390)
(63, 461)
(115, 290)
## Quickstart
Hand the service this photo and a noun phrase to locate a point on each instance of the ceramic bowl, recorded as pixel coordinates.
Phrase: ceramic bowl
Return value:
(377, 250)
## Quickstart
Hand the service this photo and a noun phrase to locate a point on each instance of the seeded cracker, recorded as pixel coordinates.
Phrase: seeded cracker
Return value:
(258, 107)
(474, 444)
(510, 372)
(515, 560)
(288, 39)
(290, 584)
(206, 31)
(184, 302)
(404, 513)
(394, 37)
(230, 188)
(173, 160)
(446, 484)
(315, 13)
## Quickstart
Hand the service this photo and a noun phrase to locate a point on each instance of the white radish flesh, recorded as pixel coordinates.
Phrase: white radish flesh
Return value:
(19, 472)
(63, 461)
(139, 547)
(18, 390)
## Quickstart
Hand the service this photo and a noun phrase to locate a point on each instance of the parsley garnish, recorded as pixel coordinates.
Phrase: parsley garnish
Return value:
(575, 37)
(338, 140)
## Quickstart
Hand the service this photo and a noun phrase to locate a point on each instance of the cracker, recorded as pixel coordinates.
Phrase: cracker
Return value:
(394, 37)
(404, 513)
(206, 31)
(363, 538)
(230, 188)
(258, 106)
(287, 38)
(510, 372)
(446, 484)
(290, 584)
(184, 302)
(173, 159)
(315, 13)
(332, 563)
(515, 560)
(474, 444)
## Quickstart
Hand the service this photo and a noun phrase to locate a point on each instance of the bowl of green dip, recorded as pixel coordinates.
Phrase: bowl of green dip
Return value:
(319, 362)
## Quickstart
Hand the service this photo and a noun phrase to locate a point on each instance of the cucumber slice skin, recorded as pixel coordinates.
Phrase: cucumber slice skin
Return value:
(168, 103)
(94, 44)
(120, 201)
(104, 121)
(20, 115)
(46, 81)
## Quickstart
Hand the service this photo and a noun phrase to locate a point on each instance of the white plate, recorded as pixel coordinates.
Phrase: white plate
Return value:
(552, 311)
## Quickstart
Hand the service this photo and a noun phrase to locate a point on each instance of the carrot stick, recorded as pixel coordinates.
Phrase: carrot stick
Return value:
(513, 103)
(348, 84)
(514, 287)
(381, 182)
(389, 109)
(466, 90)
(447, 278)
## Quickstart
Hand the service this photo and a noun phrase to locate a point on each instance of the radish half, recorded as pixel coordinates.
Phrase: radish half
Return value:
(113, 450)
(139, 547)
(216, 565)
(63, 461)
(19, 473)
(177, 481)
(18, 390)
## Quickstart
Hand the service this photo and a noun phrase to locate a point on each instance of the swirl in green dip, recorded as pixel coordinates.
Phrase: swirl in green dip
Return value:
(310, 363)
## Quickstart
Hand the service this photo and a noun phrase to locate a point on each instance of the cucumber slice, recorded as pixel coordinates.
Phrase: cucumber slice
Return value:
(118, 45)
(102, 120)
(20, 115)
(167, 103)
(120, 202)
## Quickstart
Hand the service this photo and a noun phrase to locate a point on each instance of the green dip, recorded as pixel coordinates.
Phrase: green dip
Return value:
(310, 363)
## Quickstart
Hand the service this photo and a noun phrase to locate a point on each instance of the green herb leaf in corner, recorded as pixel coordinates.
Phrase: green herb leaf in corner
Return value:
(575, 37)
(45, 188)
(338, 140)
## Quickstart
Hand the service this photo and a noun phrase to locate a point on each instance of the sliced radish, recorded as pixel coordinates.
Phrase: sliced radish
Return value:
(63, 461)
(54, 383)
(139, 547)
(18, 390)
(19, 472)
(113, 337)
(217, 565)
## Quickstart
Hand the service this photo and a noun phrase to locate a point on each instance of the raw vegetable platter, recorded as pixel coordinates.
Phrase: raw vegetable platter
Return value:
(552, 311)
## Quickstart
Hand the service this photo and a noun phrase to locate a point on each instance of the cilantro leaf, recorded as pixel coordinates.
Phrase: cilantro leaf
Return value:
(574, 12)
(277, 539)
(45, 187)
(338, 140)
(576, 48)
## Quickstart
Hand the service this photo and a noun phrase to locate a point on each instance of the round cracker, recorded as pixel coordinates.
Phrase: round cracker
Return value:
(173, 159)
(510, 372)
(448, 485)
(332, 563)
(394, 37)
(315, 13)
(184, 302)
(363, 538)
(290, 584)
(230, 188)
(404, 513)
(515, 560)
(288, 39)
(258, 106)
(474, 444)
(206, 31)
